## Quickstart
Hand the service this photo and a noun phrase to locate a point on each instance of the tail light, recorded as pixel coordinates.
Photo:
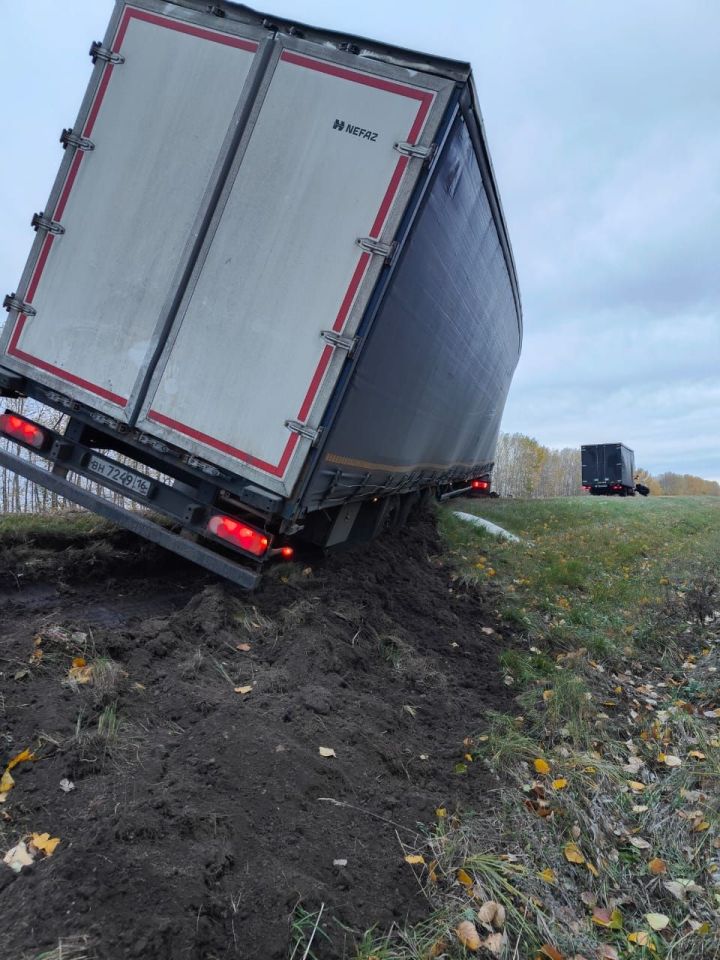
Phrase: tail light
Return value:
(239, 534)
(480, 485)
(285, 552)
(23, 430)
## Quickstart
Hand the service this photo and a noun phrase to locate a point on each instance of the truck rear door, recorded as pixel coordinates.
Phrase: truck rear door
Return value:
(118, 230)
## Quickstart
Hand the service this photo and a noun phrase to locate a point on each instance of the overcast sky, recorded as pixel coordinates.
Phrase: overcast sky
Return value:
(604, 126)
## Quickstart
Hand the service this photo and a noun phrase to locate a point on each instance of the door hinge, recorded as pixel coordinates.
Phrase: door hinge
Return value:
(41, 222)
(13, 302)
(416, 150)
(339, 341)
(70, 139)
(304, 431)
(377, 247)
(99, 52)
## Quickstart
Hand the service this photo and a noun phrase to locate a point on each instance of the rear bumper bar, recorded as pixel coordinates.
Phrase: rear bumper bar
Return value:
(136, 522)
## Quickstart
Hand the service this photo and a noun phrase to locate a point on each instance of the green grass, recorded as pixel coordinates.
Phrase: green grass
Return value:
(24, 527)
(590, 571)
(609, 601)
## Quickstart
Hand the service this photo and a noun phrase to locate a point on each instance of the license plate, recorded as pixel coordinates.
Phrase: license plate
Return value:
(127, 479)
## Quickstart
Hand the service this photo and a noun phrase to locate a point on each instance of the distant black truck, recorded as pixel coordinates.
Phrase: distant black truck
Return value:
(608, 469)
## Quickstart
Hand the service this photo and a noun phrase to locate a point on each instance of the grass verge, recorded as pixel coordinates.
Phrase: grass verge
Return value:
(606, 842)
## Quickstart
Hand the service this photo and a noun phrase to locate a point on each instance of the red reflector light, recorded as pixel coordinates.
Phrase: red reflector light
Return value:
(480, 484)
(239, 534)
(24, 431)
(286, 552)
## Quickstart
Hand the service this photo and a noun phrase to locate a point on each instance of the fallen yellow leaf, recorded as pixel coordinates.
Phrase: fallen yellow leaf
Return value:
(657, 866)
(541, 766)
(657, 921)
(79, 662)
(441, 812)
(464, 878)
(244, 689)
(415, 858)
(573, 853)
(702, 825)
(6, 782)
(696, 754)
(548, 695)
(642, 939)
(22, 757)
(635, 786)
(81, 674)
(670, 761)
(44, 842)
(548, 875)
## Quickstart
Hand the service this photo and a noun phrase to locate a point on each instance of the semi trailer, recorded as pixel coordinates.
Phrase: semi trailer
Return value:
(271, 294)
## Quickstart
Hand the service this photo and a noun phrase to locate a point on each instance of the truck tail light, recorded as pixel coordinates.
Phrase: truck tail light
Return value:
(23, 430)
(480, 485)
(239, 534)
(285, 552)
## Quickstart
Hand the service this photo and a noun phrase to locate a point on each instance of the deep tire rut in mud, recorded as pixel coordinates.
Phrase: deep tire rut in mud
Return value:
(200, 816)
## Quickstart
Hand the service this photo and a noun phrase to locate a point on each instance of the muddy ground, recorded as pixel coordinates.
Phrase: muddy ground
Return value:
(203, 820)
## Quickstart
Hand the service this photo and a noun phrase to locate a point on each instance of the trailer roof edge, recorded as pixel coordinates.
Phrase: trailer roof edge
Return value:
(372, 49)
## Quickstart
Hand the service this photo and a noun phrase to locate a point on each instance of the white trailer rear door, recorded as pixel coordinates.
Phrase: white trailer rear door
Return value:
(159, 122)
(317, 170)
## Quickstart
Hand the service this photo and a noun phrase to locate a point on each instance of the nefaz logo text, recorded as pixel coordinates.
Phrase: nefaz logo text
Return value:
(355, 131)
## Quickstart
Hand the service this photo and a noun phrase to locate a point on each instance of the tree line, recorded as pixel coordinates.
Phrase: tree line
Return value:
(526, 468)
